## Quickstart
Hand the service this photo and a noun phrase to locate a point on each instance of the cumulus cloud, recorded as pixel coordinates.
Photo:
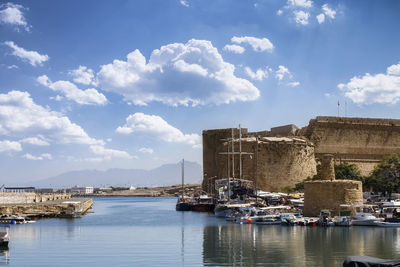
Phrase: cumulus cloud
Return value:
(258, 44)
(259, 75)
(71, 91)
(33, 57)
(301, 17)
(41, 157)
(7, 145)
(37, 141)
(321, 18)
(146, 150)
(383, 88)
(21, 117)
(83, 75)
(177, 74)
(300, 3)
(279, 12)
(330, 13)
(157, 127)
(13, 14)
(237, 49)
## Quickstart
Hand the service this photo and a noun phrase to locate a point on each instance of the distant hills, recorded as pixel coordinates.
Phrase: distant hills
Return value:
(168, 174)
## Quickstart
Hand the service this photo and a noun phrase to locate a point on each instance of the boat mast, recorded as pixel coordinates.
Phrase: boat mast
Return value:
(240, 152)
(183, 179)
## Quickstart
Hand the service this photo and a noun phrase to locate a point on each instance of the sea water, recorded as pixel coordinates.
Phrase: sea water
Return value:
(136, 231)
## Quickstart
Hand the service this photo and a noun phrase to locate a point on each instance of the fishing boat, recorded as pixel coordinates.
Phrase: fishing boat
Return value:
(4, 235)
(183, 203)
(203, 203)
(344, 218)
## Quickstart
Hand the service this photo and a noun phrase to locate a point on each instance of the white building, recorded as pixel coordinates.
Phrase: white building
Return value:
(82, 190)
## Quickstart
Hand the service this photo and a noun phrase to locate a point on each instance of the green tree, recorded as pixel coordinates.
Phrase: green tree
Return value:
(345, 171)
(386, 176)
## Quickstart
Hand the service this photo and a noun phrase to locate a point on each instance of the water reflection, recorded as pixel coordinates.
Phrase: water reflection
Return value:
(4, 256)
(254, 245)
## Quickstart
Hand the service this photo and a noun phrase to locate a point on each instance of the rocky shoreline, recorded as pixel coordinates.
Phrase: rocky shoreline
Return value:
(162, 191)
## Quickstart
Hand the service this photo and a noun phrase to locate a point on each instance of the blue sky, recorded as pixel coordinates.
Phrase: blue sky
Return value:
(132, 84)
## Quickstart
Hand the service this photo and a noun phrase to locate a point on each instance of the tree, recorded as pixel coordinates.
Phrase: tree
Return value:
(386, 176)
(345, 171)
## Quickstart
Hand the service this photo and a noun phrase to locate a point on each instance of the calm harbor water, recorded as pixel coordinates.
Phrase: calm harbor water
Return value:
(133, 231)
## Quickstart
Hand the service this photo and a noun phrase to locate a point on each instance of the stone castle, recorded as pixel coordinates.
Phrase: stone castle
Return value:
(287, 155)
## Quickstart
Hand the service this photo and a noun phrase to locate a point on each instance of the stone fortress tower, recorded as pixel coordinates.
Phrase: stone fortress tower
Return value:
(329, 193)
(287, 155)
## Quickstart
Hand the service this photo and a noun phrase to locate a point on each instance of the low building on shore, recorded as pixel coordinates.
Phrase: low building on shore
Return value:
(82, 190)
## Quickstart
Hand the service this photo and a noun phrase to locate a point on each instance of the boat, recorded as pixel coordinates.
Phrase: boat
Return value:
(363, 216)
(387, 224)
(325, 218)
(183, 203)
(391, 211)
(203, 203)
(4, 235)
(344, 218)
(223, 210)
(14, 219)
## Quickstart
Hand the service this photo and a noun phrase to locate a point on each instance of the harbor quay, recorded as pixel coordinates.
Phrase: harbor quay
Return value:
(43, 205)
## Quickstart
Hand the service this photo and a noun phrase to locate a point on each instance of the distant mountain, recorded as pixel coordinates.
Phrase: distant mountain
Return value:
(168, 174)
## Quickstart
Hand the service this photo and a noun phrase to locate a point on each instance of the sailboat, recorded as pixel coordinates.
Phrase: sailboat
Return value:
(183, 204)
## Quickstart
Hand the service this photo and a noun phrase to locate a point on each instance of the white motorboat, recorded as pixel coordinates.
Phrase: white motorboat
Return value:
(387, 224)
(363, 216)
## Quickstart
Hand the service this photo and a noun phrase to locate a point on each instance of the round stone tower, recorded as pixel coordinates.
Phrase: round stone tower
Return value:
(329, 193)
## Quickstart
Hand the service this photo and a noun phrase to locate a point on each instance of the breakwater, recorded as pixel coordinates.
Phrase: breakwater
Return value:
(56, 207)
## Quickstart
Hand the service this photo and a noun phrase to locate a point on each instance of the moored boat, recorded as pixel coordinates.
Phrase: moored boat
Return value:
(4, 235)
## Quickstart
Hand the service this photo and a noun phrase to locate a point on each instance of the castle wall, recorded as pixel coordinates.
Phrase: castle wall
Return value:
(280, 162)
(361, 141)
(330, 195)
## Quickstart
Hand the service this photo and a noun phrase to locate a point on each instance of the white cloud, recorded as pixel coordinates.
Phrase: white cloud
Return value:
(393, 70)
(379, 88)
(12, 14)
(12, 67)
(41, 157)
(294, 84)
(300, 3)
(37, 141)
(258, 44)
(83, 75)
(20, 117)
(33, 57)
(282, 72)
(321, 18)
(279, 12)
(108, 154)
(146, 150)
(71, 91)
(330, 13)
(7, 145)
(301, 17)
(157, 127)
(184, 3)
(177, 74)
(259, 75)
(237, 49)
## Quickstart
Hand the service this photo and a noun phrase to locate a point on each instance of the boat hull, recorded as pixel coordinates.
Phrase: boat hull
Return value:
(202, 207)
(183, 206)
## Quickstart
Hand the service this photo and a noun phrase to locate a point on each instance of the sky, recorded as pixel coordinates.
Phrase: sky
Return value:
(132, 84)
